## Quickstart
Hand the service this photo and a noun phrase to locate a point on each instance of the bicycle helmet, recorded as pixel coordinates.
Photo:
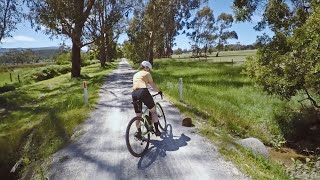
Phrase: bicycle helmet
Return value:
(146, 64)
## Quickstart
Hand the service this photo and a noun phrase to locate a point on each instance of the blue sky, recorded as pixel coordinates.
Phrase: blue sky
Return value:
(26, 37)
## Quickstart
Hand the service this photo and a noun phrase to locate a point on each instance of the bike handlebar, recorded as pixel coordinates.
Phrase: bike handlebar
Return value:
(158, 94)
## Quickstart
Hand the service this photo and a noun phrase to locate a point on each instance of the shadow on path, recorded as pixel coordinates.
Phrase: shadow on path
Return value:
(159, 148)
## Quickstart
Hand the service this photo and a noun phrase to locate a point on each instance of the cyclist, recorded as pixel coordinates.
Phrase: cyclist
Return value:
(140, 92)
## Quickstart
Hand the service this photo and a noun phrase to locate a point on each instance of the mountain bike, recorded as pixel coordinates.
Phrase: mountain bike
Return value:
(139, 146)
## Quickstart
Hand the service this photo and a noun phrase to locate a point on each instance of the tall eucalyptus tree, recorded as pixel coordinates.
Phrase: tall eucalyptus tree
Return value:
(224, 22)
(105, 25)
(203, 26)
(63, 17)
(159, 21)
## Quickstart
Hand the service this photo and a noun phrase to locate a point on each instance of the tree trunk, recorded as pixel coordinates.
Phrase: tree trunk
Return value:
(152, 35)
(108, 48)
(76, 48)
(169, 43)
(75, 56)
(217, 55)
(103, 57)
(150, 57)
(114, 51)
(146, 52)
(102, 52)
(205, 50)
(109, 53)
(76, 36)
(102, 40)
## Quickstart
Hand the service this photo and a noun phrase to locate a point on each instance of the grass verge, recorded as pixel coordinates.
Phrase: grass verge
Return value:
(39, 118)
(230, 102)
(246, 161)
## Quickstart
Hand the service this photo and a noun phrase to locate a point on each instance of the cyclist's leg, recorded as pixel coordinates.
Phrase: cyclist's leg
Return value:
(148, 101)
(154, 114)
(155, 120)
(136, 95)
(137, 108)
(138, 114)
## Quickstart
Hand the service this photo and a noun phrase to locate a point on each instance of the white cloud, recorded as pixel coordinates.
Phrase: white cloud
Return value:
(8, 40)
(24, 38)
(15, 39)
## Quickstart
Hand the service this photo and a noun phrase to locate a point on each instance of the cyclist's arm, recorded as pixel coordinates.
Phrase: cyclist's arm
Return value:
(154, 86)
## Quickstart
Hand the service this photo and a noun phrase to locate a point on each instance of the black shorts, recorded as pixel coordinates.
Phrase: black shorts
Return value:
(144, 96)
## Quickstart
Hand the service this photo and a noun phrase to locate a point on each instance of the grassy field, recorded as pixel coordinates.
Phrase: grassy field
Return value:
(220, 92)
(230, 103)
(25, 73)
(39, 118)
(5, 75)
(22, 70)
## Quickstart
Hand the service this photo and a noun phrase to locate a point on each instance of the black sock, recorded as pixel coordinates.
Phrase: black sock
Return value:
(156, 126)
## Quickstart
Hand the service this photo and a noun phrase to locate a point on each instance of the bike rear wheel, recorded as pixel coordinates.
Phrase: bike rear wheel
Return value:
(137, 147)
(161, 117)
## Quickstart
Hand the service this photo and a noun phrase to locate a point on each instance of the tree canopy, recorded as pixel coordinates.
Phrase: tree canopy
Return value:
(206, 30)
(63, 17)
(105, 25)
(203, 26)
(224, 22)
(288, 62)
(155, 25)
(10, 15)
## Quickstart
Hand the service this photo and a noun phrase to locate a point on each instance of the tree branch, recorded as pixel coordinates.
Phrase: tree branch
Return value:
(90, 42)
(314, 103)
(2, 33)
(88, 9)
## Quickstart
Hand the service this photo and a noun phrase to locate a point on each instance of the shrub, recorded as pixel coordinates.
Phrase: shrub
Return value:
(85, 62)
(50, 72)
(64, 58)
(7, 88)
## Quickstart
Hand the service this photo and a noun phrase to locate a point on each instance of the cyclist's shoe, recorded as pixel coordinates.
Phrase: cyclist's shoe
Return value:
(157, 132)
(138, 135)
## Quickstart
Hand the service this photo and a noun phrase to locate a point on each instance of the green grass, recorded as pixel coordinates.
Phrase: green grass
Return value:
(256, 166)
(25, 73)
(230, 103)
(223, 95)
(45, 113)
(5, 75)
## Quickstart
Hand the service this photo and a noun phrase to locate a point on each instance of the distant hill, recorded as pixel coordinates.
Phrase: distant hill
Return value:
(42, 52)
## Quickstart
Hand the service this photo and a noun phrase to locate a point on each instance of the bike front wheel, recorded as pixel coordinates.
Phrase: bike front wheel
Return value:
(161, 117)
(137, 146)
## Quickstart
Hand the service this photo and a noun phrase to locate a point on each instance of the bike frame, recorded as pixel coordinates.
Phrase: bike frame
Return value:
(145, 121)
(145, 113)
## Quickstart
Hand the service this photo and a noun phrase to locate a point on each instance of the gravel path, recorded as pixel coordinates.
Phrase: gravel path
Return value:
(100, 152)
